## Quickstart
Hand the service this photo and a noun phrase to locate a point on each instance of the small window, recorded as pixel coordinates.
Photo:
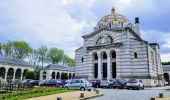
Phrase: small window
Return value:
(104, 56)
(110, 25)
(135, 55)
(82, 59)
(96, 57)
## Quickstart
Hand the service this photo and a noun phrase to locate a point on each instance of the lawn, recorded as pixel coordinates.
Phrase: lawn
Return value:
(30, 93)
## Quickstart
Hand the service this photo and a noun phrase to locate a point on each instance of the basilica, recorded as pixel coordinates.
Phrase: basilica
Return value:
(115, 49)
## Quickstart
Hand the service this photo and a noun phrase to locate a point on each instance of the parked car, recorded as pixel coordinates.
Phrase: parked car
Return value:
(34, 82)
(119, 83)
(96, 83)
(106, 83)
(79, 84)
(51, 82)
(135, 84)
(26, 81)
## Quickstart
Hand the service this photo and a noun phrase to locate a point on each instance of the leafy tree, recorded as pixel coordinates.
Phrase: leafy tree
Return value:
(42, 52)
(7, 48)
(20, 49)
(64, 76)
(1, 49)
(55, 55)
(165, 63)
(30, 75)
(34, 57)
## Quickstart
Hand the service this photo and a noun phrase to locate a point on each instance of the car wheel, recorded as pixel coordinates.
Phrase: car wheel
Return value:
(127, 88)
(82, 89)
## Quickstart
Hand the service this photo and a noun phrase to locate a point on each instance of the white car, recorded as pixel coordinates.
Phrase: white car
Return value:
(79, 84)
(106, 83)
(135, 84)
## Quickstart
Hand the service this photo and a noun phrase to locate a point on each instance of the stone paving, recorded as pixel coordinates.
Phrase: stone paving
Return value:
(118, 94)
(65, 96)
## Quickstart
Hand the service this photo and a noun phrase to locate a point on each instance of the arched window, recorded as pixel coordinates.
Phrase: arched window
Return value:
(114, 54)
(95, 57)
(135, 55)
(110, 25)
(82, 59)
(104, 55)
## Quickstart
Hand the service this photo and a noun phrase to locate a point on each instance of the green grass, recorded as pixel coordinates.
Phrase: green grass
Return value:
(32, 93)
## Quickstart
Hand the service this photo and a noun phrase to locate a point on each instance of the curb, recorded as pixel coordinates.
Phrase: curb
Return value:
(98, 95)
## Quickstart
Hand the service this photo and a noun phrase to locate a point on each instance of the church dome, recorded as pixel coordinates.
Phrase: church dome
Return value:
(113, 20)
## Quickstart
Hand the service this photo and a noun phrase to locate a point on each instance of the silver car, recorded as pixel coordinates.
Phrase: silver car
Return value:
(106, 83)
(79, 84)
(135, 84)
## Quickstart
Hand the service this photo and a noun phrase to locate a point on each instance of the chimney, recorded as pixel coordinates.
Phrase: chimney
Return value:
(137, 26)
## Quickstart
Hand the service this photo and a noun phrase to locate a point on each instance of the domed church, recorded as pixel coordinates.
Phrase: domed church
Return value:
(115, 49)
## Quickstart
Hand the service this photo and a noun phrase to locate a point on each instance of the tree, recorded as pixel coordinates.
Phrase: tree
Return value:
(7, 48)
(20, 49)
(42, 52)
(165, 63)
(16, 49)
(34, 57)
(30, 75)
(64, 76)
(1, 49)
(55, 55)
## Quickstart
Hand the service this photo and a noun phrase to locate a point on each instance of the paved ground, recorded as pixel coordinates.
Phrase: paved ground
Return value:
(65, 96)
(118, 94)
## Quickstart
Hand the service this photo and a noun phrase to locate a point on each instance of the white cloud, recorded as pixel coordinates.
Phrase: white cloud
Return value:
(165, 57)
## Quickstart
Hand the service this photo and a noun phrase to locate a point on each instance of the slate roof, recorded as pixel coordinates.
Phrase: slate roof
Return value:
(59, 67)
(166, 67)
(13, 61)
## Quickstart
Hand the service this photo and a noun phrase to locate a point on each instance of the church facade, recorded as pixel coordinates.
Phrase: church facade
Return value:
(115, 49)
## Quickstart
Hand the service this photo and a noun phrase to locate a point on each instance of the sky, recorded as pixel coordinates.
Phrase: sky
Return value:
(61, 23)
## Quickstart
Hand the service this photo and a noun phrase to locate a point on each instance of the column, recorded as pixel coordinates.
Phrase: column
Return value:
(99, 65)
(108, 65)
(55, 76)
(21, 75)
(14, 75)
(6, 73)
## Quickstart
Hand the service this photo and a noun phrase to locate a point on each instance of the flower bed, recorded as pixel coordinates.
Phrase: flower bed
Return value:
(35, 92)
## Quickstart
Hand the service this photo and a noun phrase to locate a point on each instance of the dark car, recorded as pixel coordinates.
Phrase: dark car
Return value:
(96, 83)
(51, 83)
(119, 83)
(34, 82)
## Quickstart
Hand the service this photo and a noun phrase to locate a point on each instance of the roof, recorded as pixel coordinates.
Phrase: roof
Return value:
(166, 67)
(58, 67)
(155, 44)
(113, 19)
(14, 61)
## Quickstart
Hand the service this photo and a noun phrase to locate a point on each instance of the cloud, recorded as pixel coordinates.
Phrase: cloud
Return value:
(61, 23)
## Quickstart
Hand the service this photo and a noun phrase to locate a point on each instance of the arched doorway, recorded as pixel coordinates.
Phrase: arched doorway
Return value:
(10, 74)
(95, 60)
(18, 75)
(25, 73)
(69, 75)
(2, 72)
(44, 75)
(58, 75)
(166, 76)
(53, 75)
(104, 64)
(73, 75)
(113, 60)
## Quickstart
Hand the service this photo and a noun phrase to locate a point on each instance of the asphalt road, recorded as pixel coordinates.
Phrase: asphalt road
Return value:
(118, 94)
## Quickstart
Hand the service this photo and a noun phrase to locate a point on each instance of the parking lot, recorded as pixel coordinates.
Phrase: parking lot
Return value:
(123, 94)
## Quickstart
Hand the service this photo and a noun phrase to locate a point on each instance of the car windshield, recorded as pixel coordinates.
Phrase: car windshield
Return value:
(132, 81)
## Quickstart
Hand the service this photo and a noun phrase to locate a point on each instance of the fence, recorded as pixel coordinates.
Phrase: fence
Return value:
(9, 87)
